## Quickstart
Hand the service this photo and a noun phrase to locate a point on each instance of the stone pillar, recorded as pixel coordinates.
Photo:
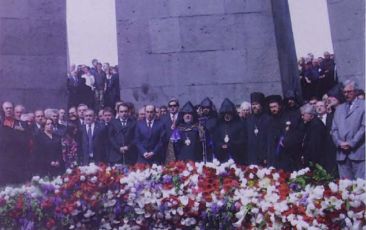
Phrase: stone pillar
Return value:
(347, 24)
(33, 52)
(196, 48)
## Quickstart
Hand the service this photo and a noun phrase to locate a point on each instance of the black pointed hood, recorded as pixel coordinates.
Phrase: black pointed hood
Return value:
(227, 106)
(206, 102)
(188, 108)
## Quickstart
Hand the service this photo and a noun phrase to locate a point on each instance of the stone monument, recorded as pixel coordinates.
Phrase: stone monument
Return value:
(347, 25)
(196, 48)
(33, 52)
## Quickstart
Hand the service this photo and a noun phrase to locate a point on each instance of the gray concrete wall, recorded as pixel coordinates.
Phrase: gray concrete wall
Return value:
(286, 47)
(33, 52)
(196, 48)
(347, 23)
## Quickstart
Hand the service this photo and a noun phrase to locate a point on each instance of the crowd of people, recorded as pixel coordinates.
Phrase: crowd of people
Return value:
(96, 86)
(317, 75)
(100, 128)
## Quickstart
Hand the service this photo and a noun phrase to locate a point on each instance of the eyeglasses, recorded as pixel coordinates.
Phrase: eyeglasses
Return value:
(175, 105)
(347, 91)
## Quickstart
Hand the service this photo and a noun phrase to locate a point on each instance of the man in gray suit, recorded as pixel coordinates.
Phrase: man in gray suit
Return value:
(348, 132)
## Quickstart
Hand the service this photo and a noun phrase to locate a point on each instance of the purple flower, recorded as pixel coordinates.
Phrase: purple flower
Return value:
(294, 186)
(304, 200)
(47, 188)
(214, 209)
(167, 179)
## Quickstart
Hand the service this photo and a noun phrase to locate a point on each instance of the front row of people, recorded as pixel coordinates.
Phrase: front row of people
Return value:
(285, 139)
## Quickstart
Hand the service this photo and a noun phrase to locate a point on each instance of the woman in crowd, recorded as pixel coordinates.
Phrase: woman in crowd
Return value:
(48, 152)
(70, 147)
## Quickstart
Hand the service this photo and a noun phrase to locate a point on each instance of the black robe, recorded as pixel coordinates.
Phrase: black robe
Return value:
(256, 133)
(330, 162)
(14, 153)
(232, 134)
(209, 122)
(282, 128)
(46, 151)
(188, 145)
(314, 139)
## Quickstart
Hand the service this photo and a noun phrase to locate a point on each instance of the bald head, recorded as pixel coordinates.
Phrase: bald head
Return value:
(19, 110)
(150, 112)
(8, 109)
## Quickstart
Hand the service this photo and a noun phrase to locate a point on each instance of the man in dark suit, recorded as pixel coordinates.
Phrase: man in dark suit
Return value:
(93, 140)
(330, 163)
(121, 133)
(38, 121)
(58, 129)
(169, 121)
(150, 138)
(73, 82)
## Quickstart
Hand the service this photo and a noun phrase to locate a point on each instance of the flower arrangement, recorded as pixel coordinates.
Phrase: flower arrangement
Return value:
(185, 196)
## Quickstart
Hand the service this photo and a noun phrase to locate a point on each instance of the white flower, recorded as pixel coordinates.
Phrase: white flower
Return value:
(36, 178)
(188, 221)
(185, 173)
(94, 179)
(333, 187)
(276, 176)
(89, 169)
(318, 192)
(183, 200)
(110, 203)
(82, 178)
(89, 213)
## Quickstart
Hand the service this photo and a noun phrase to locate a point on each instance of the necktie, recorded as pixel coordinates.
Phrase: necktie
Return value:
(90, 140)
(149, 125)
(349, 107)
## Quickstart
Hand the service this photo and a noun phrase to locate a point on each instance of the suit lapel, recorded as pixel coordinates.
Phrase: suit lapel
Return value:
(354, 107)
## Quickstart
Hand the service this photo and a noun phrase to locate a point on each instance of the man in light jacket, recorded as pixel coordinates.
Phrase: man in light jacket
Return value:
(348, 132)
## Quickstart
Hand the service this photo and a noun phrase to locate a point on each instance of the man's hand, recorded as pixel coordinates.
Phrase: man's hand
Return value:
(148, 155)
(345, 145)
(224, 146)
(123, 149)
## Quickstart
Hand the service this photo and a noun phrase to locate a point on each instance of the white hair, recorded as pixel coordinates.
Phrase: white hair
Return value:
(245, 105)
(307, 108)
(49, 112)
(350, 83)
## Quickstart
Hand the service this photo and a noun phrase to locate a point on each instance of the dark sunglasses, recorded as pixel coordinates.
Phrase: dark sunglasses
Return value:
(175, 105)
